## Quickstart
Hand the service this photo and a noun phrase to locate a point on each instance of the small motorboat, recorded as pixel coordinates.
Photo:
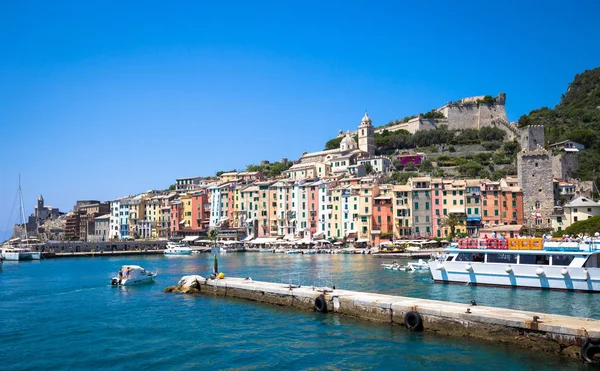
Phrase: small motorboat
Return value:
(132, 275)
(420, 265)
(394, 266)
(178, 248)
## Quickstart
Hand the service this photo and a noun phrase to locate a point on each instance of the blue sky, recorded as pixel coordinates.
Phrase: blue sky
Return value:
(100, 99)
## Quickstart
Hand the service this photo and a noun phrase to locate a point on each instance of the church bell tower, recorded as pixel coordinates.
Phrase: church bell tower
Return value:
(366, 135)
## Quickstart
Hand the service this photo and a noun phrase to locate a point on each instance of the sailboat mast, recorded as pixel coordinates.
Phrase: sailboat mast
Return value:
(22, 210)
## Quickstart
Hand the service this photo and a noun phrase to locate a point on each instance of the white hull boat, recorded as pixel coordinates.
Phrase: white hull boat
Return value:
(568, 266)
(132, 275)
(394, 267)
(19, 253)
(174, 248)
(420, 265)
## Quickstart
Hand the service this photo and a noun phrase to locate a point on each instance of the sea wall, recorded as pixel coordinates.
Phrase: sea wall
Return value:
(540, 332)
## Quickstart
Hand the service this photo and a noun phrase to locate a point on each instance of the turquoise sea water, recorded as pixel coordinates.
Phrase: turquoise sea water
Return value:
(62, 314)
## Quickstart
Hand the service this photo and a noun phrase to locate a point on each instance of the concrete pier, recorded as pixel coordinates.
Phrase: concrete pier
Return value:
(540, 332)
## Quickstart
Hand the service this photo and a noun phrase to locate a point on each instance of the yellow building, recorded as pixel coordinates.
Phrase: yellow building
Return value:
(453, 195)
(402, 218)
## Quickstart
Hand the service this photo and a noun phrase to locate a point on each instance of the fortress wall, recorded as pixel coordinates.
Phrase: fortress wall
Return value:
(463, 117)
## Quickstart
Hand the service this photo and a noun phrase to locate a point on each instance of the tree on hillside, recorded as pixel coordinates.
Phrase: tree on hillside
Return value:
(491, 134)
(333, 143)
(589, 226)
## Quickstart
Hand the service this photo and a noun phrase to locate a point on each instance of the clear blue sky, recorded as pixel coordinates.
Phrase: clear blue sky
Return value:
(100, 99)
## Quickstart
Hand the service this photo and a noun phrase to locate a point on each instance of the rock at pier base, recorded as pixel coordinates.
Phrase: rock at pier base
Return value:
(188, 285)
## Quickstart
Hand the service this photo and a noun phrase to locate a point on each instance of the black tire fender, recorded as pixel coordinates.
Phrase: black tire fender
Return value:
(590, 350)
(413, 321)
(320, 304)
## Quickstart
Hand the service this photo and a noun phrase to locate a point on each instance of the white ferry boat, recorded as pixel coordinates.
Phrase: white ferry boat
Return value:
(521, 262)
(177, 248)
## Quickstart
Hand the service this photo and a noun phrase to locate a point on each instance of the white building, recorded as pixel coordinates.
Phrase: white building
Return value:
(580, 209)
(215, 205)
(114, 224)
(379, 164)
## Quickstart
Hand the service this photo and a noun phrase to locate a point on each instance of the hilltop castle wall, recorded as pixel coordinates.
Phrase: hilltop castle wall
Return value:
(468, 113)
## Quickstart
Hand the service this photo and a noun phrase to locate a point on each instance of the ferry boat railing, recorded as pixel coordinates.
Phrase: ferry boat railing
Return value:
(590, 245)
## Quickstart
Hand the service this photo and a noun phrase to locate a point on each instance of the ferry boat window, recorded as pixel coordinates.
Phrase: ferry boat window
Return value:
(562, 259)
(592, 262)
(469, 257)
(502, 258)
(535, 259)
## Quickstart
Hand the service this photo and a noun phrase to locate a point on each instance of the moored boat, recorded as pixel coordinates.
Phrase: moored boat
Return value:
(132, 275)
(419, 265)
(177, 248)
(521, 262)
(393, 266)
(19, 253)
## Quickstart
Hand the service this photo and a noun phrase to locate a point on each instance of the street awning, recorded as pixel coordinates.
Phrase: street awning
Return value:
(362, 240)
(182, 222)
(248, 238)
(222, 219)
(190, 238)
(350, 232)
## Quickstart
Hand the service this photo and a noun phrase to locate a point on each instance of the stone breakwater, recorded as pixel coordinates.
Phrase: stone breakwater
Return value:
(539, 332)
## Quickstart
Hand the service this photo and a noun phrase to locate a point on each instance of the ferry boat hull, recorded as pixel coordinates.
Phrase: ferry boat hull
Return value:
(528, 263)
(552, 278)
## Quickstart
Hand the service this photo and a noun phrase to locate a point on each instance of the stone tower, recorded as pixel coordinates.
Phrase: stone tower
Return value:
(534, 165)
(532, 138)
(366, 135)
(40, 207)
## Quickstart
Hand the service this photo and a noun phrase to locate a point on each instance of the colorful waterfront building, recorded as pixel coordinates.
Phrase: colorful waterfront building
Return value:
(454, 204)
(421, 206)
(264, 206)
(502, 204)
(473, 206)
(383, 221)
(402, 211)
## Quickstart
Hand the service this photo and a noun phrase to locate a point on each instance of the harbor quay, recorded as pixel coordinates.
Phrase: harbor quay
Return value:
(565, 336)
(78, 248)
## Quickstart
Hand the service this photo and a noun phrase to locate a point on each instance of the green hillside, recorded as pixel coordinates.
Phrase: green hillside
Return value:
(576, 117)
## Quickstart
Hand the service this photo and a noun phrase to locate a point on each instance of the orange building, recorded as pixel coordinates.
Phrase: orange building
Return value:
(383, 218)
(501, 204)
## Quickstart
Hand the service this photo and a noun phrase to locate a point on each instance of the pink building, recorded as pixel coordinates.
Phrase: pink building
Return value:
(437, 214)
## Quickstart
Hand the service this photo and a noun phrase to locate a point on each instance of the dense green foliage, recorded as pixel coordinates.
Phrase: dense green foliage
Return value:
(433, 114)
(576, 117)
(333, 143)
(590, 226)
(402, 121)
(271, 170)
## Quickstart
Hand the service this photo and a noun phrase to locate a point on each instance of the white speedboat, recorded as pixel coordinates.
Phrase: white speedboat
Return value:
(521, 262)
(19, 253)
(132, 275)
(417, 266)
(177, 248)
(393, 266)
